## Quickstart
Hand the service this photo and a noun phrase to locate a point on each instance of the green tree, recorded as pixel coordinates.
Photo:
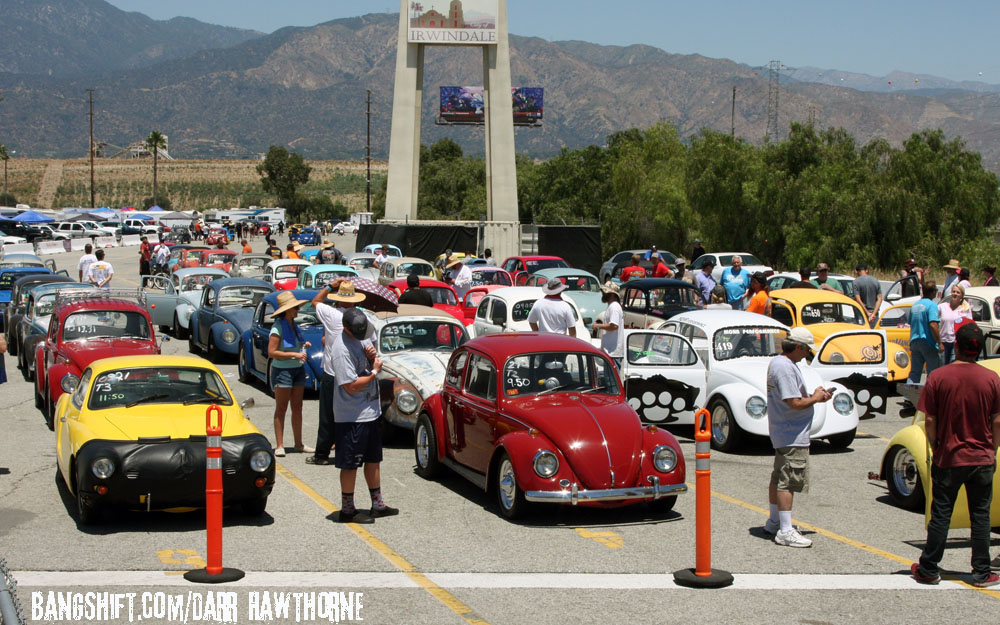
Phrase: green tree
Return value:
(154, 143)
(281, 173)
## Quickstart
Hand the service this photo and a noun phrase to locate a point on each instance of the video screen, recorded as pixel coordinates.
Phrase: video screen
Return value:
(465, 104)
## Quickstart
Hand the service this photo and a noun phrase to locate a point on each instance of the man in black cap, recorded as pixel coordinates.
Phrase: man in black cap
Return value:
(356, 411)
(698, 250)
(961, 402)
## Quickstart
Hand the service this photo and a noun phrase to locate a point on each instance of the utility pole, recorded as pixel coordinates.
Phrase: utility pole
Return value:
(93, 203)
(368, 153)
(732, 117)
(773, 87)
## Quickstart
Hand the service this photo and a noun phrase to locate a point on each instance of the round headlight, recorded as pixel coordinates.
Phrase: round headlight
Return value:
(757, 407)
(69, 383)
(102, 468)
(901, 359)
(228, 336)
(406, 401)
(843, 403)
(546, 463)
(664, 458)
(260, 460)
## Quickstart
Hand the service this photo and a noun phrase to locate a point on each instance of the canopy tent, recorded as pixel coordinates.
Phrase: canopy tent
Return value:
(31, 217)
(87, 217)
(140, 216)
(176, 216)
(155, 207)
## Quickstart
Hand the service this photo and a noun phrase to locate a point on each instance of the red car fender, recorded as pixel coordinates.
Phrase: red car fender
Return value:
(434, 409)
(54, 376)
(653, 437)
(40, 368)
(522, 446)
(287, 284)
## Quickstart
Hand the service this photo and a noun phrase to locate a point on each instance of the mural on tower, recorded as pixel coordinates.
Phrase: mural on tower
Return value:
(461, 22)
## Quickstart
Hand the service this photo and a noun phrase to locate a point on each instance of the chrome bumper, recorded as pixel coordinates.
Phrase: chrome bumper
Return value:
(573, 495)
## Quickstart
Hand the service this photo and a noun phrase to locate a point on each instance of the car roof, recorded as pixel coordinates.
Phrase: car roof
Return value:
(198, 271)
(51, 287)
(224, 282)
(724, 318)
(229, 252)
(528, 257)
(503, 345)
(329, 267)
(152, 360)
(255, 255)
(518, 293)
(558, 272)
(810, 296)
(983, 291)
(424, 281)
(400, 260)
(288, 261)
(415, 310)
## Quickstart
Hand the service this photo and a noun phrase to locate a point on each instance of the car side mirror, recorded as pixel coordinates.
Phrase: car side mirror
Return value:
(247, 403)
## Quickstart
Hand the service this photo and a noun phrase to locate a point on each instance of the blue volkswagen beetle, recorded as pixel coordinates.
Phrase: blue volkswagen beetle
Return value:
(316, 276)
(224, 313)
(253, 360)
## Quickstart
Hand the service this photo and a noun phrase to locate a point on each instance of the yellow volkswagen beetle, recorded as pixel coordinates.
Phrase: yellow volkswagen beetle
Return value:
(131, 434)
(906, 468)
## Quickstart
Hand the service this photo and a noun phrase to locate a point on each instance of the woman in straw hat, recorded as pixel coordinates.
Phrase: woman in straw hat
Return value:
(287, 350)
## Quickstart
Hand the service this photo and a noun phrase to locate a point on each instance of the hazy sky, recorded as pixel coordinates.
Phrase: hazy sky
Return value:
(954, 40)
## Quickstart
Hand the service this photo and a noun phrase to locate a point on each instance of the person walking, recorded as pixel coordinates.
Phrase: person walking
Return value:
(85, 261)
(99, 272)
(951, 312)
(551, 313)
(459, 276)
(912, 288)
(868, 293)
(925, 337)
(760, 301)
(961, 404)
(356, 411)
(705, 282)
(951, 271)
(612, 337)
(414, 294)
(633, 271)
(990, 272)
(161, 257)
(823, 280)
(273, 250)
(736, 279)
(287, 350)
(145, 255)
(330, 303)
(790, 414)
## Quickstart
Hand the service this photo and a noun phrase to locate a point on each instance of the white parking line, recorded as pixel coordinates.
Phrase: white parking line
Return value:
(580, 581)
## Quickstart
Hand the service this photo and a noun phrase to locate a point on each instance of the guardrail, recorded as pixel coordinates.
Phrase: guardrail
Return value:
(105, 242)
(52, 247)
(77, 245)
(131, 239)
(18, 248)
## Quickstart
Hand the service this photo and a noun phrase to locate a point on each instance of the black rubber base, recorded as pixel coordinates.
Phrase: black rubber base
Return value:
(718, 579)
(201, 576)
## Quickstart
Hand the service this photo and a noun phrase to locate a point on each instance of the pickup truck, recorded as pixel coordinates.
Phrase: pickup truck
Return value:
(75, 229)
(138, 226)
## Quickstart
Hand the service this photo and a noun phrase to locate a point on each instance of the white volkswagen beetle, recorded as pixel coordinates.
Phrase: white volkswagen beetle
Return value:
(506, 310)
(719, 358)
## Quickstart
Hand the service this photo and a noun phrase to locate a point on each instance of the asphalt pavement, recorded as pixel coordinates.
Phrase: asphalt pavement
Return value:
(449, 557)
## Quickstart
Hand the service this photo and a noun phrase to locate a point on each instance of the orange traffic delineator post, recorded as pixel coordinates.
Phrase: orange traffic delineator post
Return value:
(214, 573)
(703, 575)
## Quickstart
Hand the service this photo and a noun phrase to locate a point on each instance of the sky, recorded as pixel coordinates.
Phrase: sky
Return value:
(955, 40)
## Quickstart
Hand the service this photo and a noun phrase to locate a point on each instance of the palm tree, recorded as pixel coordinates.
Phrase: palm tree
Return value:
(4, 157)
(154, 143)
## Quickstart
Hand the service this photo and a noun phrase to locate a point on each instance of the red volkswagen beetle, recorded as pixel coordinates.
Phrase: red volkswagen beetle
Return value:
(543, 418)
(219, 259)
(444, 296)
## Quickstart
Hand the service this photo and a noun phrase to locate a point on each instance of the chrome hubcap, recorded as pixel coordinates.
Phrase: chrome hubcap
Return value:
(720, 424)
(423, 446)
(904, 472)
(507, 485)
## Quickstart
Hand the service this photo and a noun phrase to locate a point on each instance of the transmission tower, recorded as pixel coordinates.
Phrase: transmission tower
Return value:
(773, 87)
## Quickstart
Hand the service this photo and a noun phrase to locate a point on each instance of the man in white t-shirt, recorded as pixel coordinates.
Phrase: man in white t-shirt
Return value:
(613, 339)
(551, 313)
(99, 272)
(85, 261)
(459, 276)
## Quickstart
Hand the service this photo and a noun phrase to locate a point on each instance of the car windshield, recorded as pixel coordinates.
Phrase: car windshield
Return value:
(747, 341)
(748, 259)
(543, 372)
(581, 283)
(195, 255)
(254, 262)
(545, 263)
(157, 385)
(198, 282)
(521, 310)
(362, 263)
(241, 295)
(495, 276)
(831, 312)
(322, 277)
(420, 269)
(104, 324)
(440, 295)
(288, 271)
(668, 299)
(7, 280)
(217, 258)
(420, 335)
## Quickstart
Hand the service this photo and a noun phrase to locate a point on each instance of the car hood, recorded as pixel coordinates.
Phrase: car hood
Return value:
(174, 420)
(84, 352)
(590, 304)
(752, 371)
(239, 317)
(596, 434)
(423, 369)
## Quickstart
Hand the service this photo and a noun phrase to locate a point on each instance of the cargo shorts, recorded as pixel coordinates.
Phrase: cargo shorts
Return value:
(791, 469)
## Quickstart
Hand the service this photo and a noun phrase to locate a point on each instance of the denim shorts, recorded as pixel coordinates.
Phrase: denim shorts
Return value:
(288, 378)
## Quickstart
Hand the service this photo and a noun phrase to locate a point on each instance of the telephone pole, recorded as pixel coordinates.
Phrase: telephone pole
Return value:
(732, 117)
(368, 152)
(773, 87)
(93, 203)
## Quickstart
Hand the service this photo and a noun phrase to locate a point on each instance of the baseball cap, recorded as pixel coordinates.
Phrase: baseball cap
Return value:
(802, 337)
(356, 322)
(822, 267)
(969, 339)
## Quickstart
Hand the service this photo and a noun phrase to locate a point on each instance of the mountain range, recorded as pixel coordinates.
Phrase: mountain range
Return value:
(222, 92)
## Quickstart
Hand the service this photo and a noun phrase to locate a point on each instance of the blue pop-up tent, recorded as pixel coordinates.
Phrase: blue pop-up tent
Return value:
(155, 207)
(31, 217)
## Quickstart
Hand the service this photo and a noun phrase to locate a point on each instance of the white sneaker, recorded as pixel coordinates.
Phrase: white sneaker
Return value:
(792, 538)
(279, 452)
(772, 527)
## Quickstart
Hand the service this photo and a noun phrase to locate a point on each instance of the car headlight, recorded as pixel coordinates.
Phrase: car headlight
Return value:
(546, 464)
(901, 359)
(843, 403)
(228, 336)
(69, 383)
(756, 407)
(260, 460)
(664, 458)
(406, 401)
(102, 468)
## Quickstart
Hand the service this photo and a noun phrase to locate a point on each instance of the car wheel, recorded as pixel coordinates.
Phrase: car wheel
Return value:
(270, 388)
(842, 440)
(179, 331)
(254, 507)
(425, 449)
(663, 504)
(12, 344)
(192, 346)
(509, 494)
(86, 514)
(242, 367)
(726, 433)
(213, 354)
(50, 411)
(903, 478)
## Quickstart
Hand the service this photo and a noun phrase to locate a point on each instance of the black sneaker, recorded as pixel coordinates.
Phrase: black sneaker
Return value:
(318, 460)
(386, 511)
(995, 564)
(355, 517)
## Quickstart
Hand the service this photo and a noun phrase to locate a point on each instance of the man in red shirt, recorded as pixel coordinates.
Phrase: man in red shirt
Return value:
(660, 269)
(634, 271)
(961, 402)
(145, 254)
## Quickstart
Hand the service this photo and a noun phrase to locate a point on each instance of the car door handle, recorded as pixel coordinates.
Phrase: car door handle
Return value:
(459, 404)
